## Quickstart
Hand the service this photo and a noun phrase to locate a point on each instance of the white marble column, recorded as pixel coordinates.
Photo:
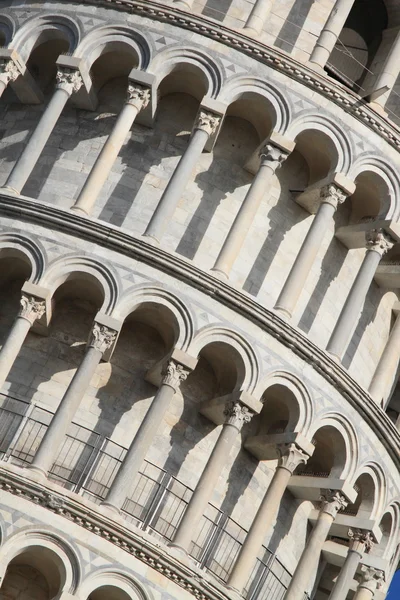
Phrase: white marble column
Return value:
(272, 158)
(8, 72)
(258, 16)
(330, 33)
(291, 456)
(378, 242)
(360, 542)
(371, 581)
(306, 571)
(68, 81)
(138, 98)
(205, 126)
(32, 308)
(331, 197)
(389, 72)
(236, 415)
(173, 375)
(102, 338)
(387, 367)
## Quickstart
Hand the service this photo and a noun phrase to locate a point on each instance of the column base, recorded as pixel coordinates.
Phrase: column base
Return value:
(317, 68)
(111, 507)
(219, 274)
(283, 312)
(9, 189)
(250, 31)
(335, 357)
(178, 548)
(150, 239)
(79, 210)
(37, 472)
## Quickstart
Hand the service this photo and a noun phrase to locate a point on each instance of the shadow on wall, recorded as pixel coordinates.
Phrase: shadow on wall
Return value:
(292, 27)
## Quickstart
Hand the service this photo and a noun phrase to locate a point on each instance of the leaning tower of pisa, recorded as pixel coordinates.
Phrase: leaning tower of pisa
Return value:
(199, 314)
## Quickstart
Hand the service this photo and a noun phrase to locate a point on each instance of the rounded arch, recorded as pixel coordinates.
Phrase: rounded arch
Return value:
(293, 394)
(100, 276)
(340, 150)
(243, 87)
(378, 183)
(245, 359)
(52, 555)
(371, 480)
(105, 578)
(7, 29)
(389, 525)
(343, 442)
(111, 37)
(14, 244)
(45, 28)
(203, 75)
(177, 330)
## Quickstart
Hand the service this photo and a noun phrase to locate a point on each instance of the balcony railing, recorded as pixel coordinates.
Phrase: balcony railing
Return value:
(87, 464)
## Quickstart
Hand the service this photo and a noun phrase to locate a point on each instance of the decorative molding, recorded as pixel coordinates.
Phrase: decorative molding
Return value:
(208, 122)
(138, 95)
(174, 373)
(111, 237)
(102, 337)
(333, 195)
(371, 579)
(31, 308)
(291, 456)
(360, 540)
(9, 71)
(69, 80)
(378, 241)
(273, 156)
(237, 414)
(332, 502)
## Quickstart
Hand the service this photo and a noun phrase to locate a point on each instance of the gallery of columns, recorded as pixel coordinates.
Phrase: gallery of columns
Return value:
(199, 285)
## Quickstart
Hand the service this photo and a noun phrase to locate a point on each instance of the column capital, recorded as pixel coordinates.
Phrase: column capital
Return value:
(174, 373)
(360, 540)
(332, 502)
(138, 95)
(378, 241)
(9, 71)
(237, 414)
(272, 155)
(371, 579)
(291, 456)
(69, 80)
(102, 337)
(207, 121)
(32, 308)
(333, 195)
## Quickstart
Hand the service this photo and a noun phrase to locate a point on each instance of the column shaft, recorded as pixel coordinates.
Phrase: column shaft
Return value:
(176, 186)
(258, 16)
(305, 258)
(331, 31)
(353, 305)
(12, 346)
(387, 367)
(390, 72)
(346, 576)
(27, 161)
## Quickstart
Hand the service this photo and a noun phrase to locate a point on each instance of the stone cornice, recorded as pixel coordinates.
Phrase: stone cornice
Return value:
(113, 238)
(348, 100)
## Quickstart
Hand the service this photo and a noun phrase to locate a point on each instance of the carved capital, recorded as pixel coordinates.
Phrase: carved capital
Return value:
(102, 337)
(273, 156)
(9, 71)
(291, 456)
(360, 540)
(31, 308)
(371, 579)
(379, 241)
(174, 373)
(237, 414)
(333, 195)
(69, 80)
(138, 95)
(207, 122)
(332, 502)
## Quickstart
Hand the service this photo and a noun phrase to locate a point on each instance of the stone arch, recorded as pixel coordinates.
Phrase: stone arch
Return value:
(112, 37)
(50, 554)
(379, 186)
(242, 354)
(371, 481)
(7, 29)
(105, 578)
(101, 277)
(179, 327)
(43, 28)
(339, 155)
(197, 67)
(265, 96)
(29, 250)
(389, 525)
(289, 393)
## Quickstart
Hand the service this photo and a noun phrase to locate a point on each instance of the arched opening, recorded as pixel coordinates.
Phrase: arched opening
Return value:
(358, 42)
(365, 501)
(329, 457)
(386, 527)
(370, 198)
(109, 592)
(319, 153)
(42, 60)
(226, 365)
(280, 412)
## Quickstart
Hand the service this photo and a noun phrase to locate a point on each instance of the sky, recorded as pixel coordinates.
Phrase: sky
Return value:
(394, 590)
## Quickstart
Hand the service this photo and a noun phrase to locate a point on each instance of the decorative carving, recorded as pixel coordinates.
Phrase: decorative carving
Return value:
(174, 373)
(54, 502)
(333, 195)
(379, 241)
(237, 414)
(332, 502)
(291, 456)
(272, 155)
(9, 71)
(360, 541)
(102, 337)
(138, 95)
(31, 308)
(371, 579)
(69, 80)
(207, 122)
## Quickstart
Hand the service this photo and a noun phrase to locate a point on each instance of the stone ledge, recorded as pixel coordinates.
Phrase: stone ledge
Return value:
(111, 237)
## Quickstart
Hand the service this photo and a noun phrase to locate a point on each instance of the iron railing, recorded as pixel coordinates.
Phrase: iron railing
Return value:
(87, 463)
